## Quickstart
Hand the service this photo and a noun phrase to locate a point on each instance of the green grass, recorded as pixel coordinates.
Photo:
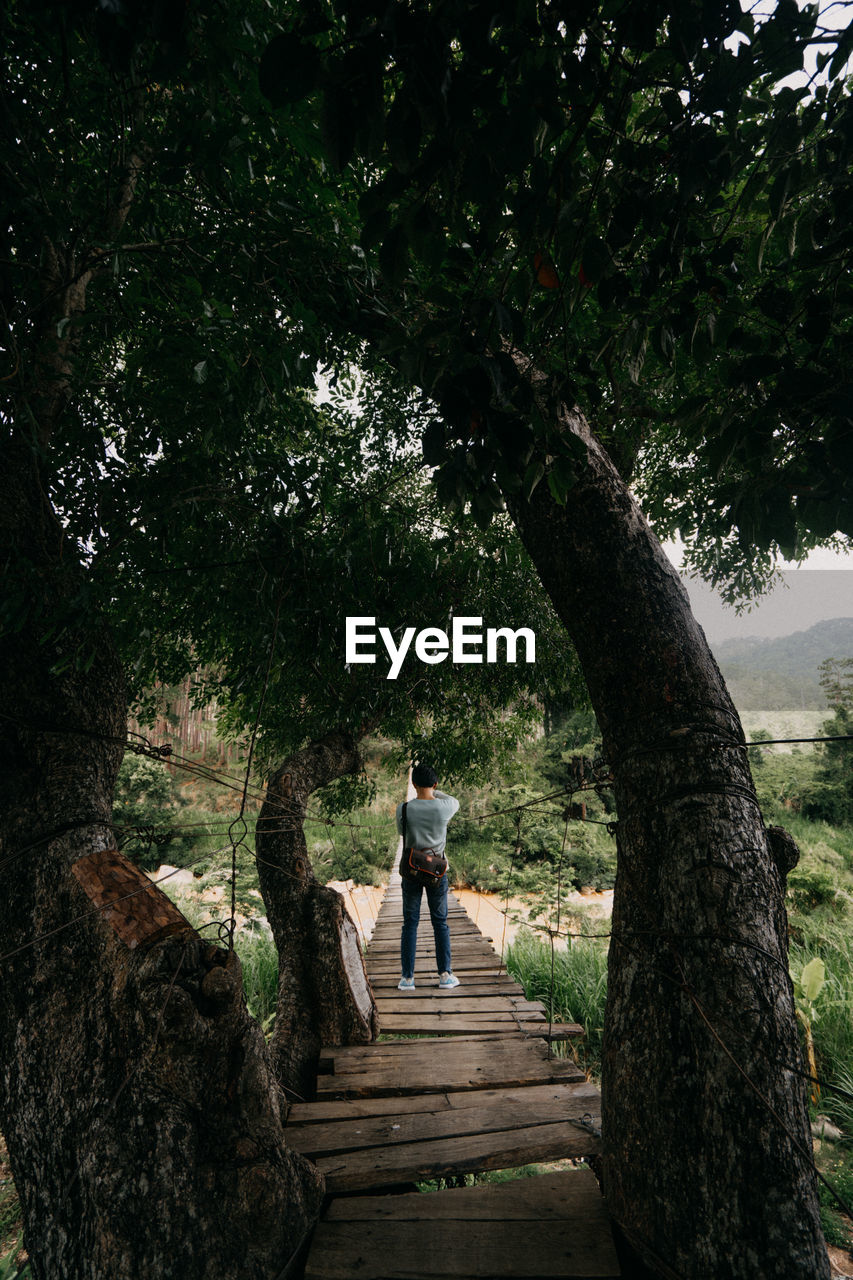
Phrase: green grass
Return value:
(837, 1166)
(259, 959)
(819, 934)
(579, 987)
(10, 1207)
(10, 1268)
(11, 1229)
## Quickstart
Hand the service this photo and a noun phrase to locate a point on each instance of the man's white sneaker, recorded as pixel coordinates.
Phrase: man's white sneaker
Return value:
(406, 984)
(448, 980)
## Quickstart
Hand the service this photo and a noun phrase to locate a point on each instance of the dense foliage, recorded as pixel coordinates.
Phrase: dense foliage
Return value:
(224, 519)
(629, 199)
(833, 798)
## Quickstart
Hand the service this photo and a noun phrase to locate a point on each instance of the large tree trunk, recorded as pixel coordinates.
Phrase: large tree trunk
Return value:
(143, 1121)
(707, 1153)
(324, 996)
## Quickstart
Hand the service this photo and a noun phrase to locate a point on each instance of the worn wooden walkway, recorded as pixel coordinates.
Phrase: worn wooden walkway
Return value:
(477, 1091)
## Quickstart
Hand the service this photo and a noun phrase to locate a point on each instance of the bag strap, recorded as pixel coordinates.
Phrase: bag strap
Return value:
(403, 815)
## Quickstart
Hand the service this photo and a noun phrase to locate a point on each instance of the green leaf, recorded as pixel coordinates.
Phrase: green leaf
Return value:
(556, 492)
(812, 979)
(561, 478)
(532, 476)
(842, 53)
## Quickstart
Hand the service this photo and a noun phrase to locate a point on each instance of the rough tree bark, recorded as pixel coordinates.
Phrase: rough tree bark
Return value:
(143, 1121)
(323, 993)
(707, 1152)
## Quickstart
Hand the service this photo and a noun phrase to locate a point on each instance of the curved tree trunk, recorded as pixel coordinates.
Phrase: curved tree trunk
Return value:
(143, 1121)
(707, 1152)
(323, 993)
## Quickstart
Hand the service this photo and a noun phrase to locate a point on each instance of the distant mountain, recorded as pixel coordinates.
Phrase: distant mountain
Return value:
(781, 673)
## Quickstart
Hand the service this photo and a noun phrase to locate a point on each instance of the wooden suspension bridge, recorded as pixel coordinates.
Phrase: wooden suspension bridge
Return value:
(477, 1090)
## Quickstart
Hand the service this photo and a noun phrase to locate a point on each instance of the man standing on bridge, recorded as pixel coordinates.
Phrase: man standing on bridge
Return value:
(426, 819)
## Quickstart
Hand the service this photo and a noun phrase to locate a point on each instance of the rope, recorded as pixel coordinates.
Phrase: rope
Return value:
(515, 852)
(106, 906)
(551, 936)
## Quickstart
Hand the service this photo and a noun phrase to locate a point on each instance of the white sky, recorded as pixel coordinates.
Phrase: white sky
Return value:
(820, 588)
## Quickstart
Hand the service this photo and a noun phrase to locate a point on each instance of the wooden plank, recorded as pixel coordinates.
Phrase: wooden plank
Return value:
(388, 937)
(393, 915)
(546, 1197)
(419, 1048)
(482, 964)
(426, 946)
(457, 1235)
(391, 926)
(461, 926)
(556, 1093)
(454, 1000)
(497, 1061)
(429, 1052)
(463, 1024)
(456, 1025)
(438, 1024)
(425, 960)
(444, 1012)
(425, 942)
(554, 1030)
(479, 1095)
(496, 987)
(359, 1133)
(474, 1153)
(382, 937)
(474, 1065)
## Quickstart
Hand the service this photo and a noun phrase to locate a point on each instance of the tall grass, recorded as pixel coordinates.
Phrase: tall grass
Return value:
(259, 959)
(579, 986)
(818, 934)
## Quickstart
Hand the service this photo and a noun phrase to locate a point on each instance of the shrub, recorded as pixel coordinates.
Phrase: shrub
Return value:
(809, 888)
(145, 797)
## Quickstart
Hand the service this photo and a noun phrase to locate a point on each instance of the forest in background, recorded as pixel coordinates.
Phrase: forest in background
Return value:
(782, 673)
